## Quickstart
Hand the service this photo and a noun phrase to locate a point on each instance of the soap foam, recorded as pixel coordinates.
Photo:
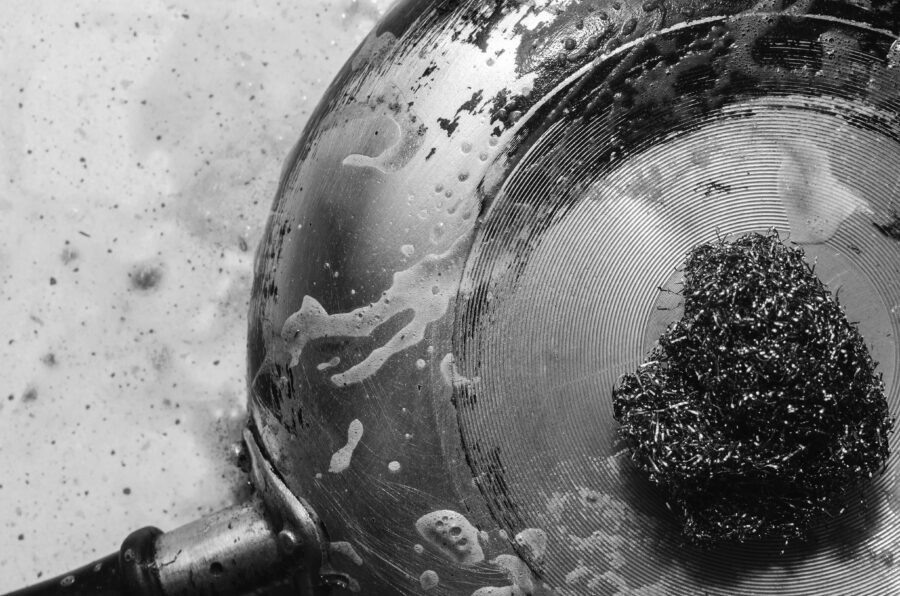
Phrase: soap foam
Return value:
(340, 461)
(534, 541)
(816, 202)
(495, 591)
(519, 573)
(346, 550)
(453, 534)
(425, 288)
(429, 579)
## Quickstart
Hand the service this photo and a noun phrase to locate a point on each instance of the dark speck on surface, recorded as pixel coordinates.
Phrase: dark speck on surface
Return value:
(892, 228)
(68, 255)
(126, 491)
(145, 278)
(49, 359)
(29, 395)
(52, 281)
(448, 125)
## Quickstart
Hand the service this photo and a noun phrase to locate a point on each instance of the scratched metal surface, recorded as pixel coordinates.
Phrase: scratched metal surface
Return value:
(465, 252)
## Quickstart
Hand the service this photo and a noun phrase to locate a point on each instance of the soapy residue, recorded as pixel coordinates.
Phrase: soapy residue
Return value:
(534, 541)
(345, 549)
(330, 364)
(816, 202)
(453, 534)
(425, 288)
(429, 579)
(402, 142)
(608, 557)
(451, 375)
(519, 573)
(340, 461)
(495, 591)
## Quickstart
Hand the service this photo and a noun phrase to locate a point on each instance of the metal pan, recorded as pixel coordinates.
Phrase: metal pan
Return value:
(466, 251)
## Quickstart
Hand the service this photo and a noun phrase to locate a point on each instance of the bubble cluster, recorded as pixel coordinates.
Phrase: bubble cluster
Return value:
(761, 407)
(453, 534)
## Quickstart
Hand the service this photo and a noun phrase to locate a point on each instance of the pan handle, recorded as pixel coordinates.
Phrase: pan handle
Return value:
(272, 539)
(229, 553)
(114, 575)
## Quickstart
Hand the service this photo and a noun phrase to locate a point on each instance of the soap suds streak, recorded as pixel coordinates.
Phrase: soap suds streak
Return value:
(340, 461)
(346, 550)
(425, 288)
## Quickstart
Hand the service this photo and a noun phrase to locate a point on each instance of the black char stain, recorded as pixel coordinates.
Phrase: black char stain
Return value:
(892, 228)
(448, 125)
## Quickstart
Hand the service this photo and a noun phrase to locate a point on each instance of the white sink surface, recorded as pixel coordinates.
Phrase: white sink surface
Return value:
(140, 148)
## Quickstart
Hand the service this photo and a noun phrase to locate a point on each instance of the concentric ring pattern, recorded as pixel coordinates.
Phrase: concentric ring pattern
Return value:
(575, 273)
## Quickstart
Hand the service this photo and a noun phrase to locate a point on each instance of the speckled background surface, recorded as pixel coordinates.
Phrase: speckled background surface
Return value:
(140, 148)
